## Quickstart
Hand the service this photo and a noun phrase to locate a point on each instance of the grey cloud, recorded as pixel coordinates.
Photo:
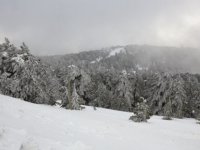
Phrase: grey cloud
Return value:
(65, 26)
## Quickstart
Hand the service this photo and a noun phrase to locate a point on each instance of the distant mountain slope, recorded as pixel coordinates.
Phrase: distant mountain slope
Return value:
(133, 56)
(26, 126)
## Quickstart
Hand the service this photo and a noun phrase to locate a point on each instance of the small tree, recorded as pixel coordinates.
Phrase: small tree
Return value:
(72, 96)
(75, 100)
(168, 111)
(95, 104)
(124, 89)
(142, 112)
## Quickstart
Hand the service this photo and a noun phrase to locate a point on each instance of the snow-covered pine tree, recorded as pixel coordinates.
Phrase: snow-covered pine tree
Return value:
(141, 112)
(160, 88)
(72, 96)
(178, 96)
(24, 75)
(102, 95)
(75, 99)
(192, 88)
(124, 89)
(168, 111)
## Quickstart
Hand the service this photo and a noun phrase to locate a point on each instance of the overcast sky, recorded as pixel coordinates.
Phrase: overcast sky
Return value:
(65, 26)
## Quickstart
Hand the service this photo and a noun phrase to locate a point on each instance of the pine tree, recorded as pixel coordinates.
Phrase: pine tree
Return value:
(124, 89)
(141, 113)
(168, 111)
(73, 79)
(178, 97)
(161, 88)
(75, 99)
(24, 76)
(102, 95)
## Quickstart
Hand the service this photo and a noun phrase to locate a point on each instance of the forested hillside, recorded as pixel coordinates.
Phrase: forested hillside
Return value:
(116, 78)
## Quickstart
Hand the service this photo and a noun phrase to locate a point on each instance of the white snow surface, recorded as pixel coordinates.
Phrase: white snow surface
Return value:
(5, 54)
(72, 66)
(97, 60)
(124, 72)
(27, 126)
(116, 51)
(19, 58)
(141, 68)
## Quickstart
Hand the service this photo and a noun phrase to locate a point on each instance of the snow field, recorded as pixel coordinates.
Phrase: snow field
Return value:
(27, 126)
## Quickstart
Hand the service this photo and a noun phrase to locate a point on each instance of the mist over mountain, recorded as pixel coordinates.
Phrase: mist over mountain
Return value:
(134, 57)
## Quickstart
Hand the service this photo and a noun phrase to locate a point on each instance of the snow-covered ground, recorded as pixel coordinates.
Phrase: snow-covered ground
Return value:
(27, 126)
(97, 60)
(116, 51)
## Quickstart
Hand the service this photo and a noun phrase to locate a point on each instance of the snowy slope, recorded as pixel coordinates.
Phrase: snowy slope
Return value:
(28, 126)
(116, 51)
(97, 60)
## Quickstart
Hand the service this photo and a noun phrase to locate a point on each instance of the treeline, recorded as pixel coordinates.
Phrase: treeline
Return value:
(123, 91)
(92, 78)
(120, 81)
